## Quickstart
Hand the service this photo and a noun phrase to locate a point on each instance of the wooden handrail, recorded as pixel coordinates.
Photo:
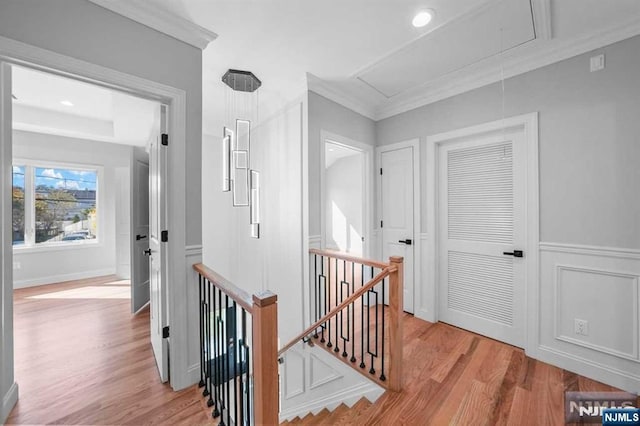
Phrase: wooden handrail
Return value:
(385, 272)
(348, 258)
(240, 296)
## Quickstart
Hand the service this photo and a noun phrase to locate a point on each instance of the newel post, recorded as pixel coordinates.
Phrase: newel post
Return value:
(396, 304)
(265, 358)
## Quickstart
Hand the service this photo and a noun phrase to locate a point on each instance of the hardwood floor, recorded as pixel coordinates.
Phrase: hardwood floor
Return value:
(81, 357)
(454, 377)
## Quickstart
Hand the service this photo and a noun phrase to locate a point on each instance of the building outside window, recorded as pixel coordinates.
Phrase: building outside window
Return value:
(54, 204)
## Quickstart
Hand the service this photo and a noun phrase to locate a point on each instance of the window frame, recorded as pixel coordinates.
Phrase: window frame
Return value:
(30, 166)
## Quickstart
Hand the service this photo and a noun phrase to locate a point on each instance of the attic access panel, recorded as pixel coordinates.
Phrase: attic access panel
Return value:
(501, 26)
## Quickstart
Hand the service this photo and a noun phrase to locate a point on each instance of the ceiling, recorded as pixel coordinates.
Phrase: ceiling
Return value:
(366, 55)
(94, 113)
(334, 152)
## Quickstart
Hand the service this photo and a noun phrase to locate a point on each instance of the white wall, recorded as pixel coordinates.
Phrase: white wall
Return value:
(343, 207)
(327, 115)
(39, 266)
(589, 149)
(123, 221)
(83, 30)
(274, 261)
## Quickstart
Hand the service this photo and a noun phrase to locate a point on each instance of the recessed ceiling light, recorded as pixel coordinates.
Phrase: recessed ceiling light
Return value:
(331, 149)
(67, 103)
(422, 18)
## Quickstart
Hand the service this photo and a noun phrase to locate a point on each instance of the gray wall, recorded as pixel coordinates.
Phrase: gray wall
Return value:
(332, 117)
(91, 33)
(88, 32)
(589, 135)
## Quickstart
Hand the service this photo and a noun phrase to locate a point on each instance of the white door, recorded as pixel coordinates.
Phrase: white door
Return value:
(157, 253)
(481, 188)
(139, 229)
(396, 204)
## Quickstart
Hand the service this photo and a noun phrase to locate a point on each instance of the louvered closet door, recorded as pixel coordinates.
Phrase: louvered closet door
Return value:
(481, 216)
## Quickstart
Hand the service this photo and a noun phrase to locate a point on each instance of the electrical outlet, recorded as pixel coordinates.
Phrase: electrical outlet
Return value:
(581, 327)
(16, 265)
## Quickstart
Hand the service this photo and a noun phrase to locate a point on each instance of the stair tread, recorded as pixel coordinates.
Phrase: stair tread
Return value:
(338, 412)
(356, 411)
(320, 418)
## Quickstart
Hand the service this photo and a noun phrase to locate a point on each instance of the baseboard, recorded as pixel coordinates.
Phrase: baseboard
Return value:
(193, 373)
(52, 279)
(8, 402)
(593, 370)
(348, 396)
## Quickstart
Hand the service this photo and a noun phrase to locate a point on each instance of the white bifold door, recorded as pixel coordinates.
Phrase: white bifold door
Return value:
(481, 227)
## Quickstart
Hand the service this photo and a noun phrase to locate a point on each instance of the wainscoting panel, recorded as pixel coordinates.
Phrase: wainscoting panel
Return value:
(311, 380)
(193, 254)
(589, 312)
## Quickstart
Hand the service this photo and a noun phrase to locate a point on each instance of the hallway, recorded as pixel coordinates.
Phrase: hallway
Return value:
(82, 358)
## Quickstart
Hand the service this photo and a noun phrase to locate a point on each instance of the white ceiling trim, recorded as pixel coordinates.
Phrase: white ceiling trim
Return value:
(542, 18)
(323, 88)
(474, 77)
(161, 20)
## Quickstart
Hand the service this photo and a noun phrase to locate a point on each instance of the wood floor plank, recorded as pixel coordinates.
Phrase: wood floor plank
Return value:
(81, 357)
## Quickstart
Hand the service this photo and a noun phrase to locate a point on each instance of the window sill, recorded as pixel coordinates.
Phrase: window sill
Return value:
(57, 247)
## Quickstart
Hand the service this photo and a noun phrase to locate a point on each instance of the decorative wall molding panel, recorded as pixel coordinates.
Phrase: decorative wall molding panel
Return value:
(313, 380)
(590, 312)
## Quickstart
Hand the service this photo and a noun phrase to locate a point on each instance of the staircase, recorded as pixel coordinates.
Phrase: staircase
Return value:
(356, 309)
(342, 415)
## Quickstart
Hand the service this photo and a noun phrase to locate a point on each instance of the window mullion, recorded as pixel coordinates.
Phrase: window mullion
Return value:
(29, 206)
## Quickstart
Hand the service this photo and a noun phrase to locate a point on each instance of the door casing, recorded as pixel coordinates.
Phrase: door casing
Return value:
(428, 309)
(17, 53)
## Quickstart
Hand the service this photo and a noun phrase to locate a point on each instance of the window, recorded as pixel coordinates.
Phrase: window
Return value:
(54, 205)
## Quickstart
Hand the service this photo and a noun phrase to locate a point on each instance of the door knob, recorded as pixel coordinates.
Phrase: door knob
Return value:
(407, 241)
(515, 253)
(147, 252)
(140, 237)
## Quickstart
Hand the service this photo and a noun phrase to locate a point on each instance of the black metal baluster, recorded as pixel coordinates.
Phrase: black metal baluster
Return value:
(220, 360)
(323, 326)
(329, 344)
(344, 282)
(210, 352)
(362, 365)
(201, 383)
(243, 334)
(207, 338)
(216, 351)
(249, 390)
(227, 376)
(353, 313)
(235, 364)
(372, 370)
(316, 279)
(336, 349)
(382, 376)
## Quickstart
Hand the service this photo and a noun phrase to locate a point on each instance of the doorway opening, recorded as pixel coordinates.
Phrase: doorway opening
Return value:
(346, 211)
(81, 199)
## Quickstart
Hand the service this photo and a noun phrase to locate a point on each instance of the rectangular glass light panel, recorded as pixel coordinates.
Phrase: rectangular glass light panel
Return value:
(226, 163)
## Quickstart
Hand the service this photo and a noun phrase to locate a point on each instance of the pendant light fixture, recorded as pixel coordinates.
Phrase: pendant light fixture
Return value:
(242, 100)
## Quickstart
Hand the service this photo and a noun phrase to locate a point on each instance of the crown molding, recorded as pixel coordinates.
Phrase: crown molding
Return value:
(326, 89)
(486, 73)
(541, 10)
(161, 20)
